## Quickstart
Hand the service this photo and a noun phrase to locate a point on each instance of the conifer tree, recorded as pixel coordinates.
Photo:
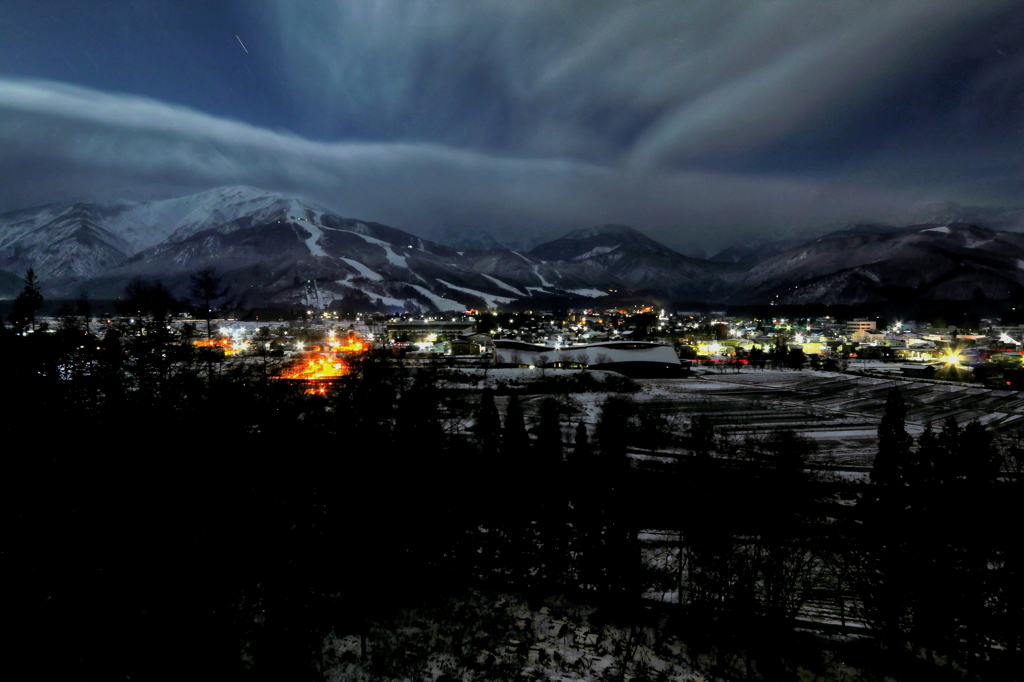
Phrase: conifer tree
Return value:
(612, 431)
(488, 424)
(581, 444)
(890, 564)
(27, 302)
(894, 443)
(514, 438)
(549, 435)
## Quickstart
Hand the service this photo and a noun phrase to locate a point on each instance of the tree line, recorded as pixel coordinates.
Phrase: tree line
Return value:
(236, 517)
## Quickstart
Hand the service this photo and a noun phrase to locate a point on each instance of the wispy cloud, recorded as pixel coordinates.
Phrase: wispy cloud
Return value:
(69, 142)
(541, 116)
(653, 83)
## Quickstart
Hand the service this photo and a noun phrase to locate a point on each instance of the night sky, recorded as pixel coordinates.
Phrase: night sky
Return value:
(701, 123)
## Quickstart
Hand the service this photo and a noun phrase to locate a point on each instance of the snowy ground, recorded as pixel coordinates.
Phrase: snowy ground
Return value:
(821, 607)
(486, 636)
(839, 411)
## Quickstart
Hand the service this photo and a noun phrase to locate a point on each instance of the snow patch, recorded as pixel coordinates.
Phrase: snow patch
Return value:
(363, 270)
(389, 251)
(491, 299)
(297, 215)
(313, 242)
(592, 293)
(442, 304)
(385, 300)
(944, 229)
(543, 282)
(507, 287)
(596, 251)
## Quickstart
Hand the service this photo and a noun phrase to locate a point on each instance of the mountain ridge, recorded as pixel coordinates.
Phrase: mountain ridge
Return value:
(268, 244)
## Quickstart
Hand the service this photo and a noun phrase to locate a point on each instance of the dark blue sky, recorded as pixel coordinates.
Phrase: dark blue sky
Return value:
(699, 122)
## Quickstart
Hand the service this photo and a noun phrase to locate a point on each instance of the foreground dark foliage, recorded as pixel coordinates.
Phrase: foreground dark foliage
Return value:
(208, 521)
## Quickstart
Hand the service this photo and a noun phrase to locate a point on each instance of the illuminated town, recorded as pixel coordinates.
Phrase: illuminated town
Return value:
(512, 340)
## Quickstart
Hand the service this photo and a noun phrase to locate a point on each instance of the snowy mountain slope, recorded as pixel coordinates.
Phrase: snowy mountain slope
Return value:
(629, 259)
(270, 245)
(59, 242)
(941, 262)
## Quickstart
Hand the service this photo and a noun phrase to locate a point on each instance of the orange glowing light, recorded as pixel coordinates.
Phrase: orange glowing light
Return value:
(315, 366)
(222, 342)
(352, 345)
(318, 368)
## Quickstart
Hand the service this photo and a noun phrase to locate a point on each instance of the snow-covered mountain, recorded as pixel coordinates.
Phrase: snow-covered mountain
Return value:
(60, 242)
(626, 258)
(267, 245)
(273, 247)
(871, 264)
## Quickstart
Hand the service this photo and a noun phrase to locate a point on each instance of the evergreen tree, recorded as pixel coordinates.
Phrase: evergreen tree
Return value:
(581, 444)
(27, 302)
(702, 435)
(514, 439)
(549, 435)
(888, 569)
(613, 429)
(894, 443)
(488, 424)
(205, 287)
(948, 451)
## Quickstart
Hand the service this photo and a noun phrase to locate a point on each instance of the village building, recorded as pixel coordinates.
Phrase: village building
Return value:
(636, 359)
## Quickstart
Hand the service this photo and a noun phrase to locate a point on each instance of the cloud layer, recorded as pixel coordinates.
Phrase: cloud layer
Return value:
(702, 123)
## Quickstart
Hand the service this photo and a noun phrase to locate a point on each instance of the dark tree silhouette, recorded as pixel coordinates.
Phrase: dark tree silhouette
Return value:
(549, 435)
(488, 424)
(581, 444)
(514, 438)
(612, 431)
(894, 443)
(27, 302)
(204, 289)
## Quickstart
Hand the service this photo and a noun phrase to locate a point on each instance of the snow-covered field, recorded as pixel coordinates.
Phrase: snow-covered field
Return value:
(487, 636)
(840, 412)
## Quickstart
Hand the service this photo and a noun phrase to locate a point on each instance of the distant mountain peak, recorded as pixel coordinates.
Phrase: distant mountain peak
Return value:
(1009, 218)
(610, 229)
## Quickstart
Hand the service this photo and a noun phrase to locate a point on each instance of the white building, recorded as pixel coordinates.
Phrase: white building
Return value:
(859, 325)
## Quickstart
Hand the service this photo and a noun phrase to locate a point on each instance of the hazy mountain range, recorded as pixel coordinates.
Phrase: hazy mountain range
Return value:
(269, 245)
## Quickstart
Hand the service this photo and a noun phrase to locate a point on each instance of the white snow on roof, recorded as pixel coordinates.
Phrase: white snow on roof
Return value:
(439, 302)
(592, 354)
(944, 229)
(363, 270)
(491, 299)
(592, 293)
(509, 287)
